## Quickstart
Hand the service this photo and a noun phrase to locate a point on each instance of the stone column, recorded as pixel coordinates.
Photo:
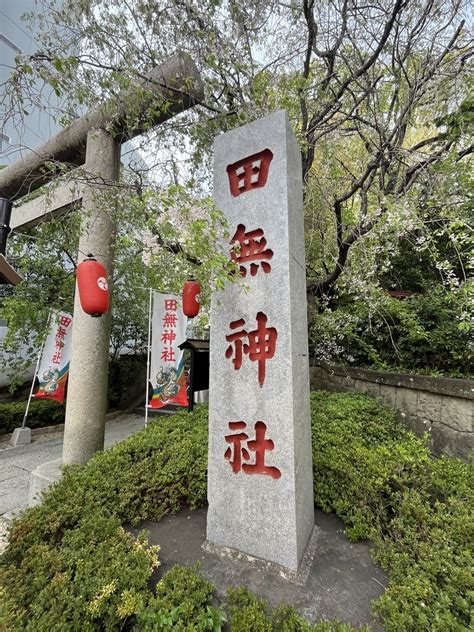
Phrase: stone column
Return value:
(88, 376)
(260, 484)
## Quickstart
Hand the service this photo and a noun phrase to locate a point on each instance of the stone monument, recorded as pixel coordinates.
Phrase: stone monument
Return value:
(260, 486)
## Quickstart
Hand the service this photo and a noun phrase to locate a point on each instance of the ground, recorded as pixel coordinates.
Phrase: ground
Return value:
(16, 464)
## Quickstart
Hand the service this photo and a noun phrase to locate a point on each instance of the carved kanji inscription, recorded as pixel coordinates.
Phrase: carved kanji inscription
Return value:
(249, 173)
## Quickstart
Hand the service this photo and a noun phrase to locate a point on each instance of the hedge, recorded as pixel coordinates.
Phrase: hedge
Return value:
(68, 560)
(42, 413)
(124, 382)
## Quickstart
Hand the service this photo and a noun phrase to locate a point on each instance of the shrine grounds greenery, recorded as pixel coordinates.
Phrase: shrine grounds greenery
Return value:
(41, 413)
(71, 565)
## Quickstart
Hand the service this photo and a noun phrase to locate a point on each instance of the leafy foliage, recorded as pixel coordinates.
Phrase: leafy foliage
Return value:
(250, 614)
(164, 236)
(86, 582)
(375, 474)
(42, 413)
(183, 601)
(384, 119)
(419, 511)
(426, 333)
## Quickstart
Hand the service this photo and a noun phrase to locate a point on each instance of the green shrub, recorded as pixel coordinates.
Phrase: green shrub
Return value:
(361, 456)
(419, 511)
(247, 612)
(376, 475)
(183, 601)
(43, 412)
(95, 578)
(429, 332)
(250, 614)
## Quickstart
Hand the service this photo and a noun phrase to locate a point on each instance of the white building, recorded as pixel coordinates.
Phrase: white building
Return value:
(18, 136)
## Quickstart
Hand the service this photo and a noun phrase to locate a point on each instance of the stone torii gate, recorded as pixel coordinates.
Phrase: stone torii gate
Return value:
(94, 141)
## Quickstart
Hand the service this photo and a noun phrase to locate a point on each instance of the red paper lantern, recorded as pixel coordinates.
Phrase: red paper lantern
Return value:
(191, 298)
(93, 288)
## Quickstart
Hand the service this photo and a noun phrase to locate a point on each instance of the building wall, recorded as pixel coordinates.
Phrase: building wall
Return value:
(21, 134)
(441, 407)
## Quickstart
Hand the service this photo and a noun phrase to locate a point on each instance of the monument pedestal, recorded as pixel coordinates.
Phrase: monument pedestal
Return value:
(297, 577)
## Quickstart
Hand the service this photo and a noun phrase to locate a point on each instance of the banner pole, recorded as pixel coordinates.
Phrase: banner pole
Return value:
(148, 357)
(38, 360)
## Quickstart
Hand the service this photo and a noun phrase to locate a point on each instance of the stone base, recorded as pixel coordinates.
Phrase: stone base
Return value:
(42, 478)
(20, 436)
(298, 577)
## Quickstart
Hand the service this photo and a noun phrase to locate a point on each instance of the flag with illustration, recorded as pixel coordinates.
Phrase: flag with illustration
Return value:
(53, 368)
(168, 330)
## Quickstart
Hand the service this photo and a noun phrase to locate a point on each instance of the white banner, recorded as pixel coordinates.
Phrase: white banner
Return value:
(167, 377)
(53, 370)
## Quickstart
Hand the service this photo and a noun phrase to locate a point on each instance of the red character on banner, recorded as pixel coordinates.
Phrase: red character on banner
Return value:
(168, 354)
(260, 345)
(168, 336)
(65, 321)
(249, 247)
(56, 359)
(170, 320)
(238, 452)
(171, 305)
(249, 173)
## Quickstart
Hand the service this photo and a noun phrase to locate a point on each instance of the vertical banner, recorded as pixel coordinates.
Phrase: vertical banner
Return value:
(54, 365)
(168, 326)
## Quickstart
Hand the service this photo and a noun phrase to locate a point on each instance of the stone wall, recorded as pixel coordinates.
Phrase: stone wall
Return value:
(442, 407)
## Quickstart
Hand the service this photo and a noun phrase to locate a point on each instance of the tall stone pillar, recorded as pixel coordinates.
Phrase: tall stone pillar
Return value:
(88, 376)
(260, 484)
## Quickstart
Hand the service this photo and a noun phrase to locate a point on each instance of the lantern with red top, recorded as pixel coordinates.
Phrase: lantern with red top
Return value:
(249, 173)
(191, 298)
(93, 288)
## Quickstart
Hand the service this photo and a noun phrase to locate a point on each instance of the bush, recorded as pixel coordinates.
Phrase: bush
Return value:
(426, 333)
(183, 602)
(156, 471)
(250, 614)
(94, 578)
(419, 511)
(375, 474)
(43, 412)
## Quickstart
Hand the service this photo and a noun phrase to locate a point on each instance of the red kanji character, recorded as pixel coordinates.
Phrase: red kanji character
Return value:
(251, 247)
(249, 173)
(168, 354)
(171, 305)
(260, 445)
(239, 452)
(61, 333)
(237, 338)
(56, 358)
(65, 321)
(168, 336)
(261, 344)
(58, 344)
(170, 320)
